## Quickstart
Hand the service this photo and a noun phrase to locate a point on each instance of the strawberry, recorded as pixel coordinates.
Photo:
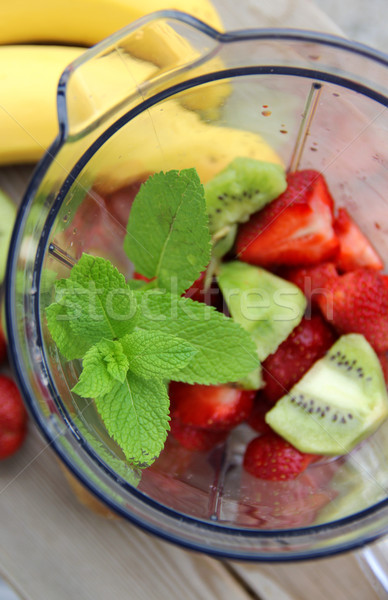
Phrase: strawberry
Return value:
(295, 229)
(196, 291)
(311, 280)
(256, 419)
(196, 438)
(358, 303)
(3, 344)
(119, 202)
(213, 407)
(307, 343)
(13, 417)
(355, 249)
(269, 456)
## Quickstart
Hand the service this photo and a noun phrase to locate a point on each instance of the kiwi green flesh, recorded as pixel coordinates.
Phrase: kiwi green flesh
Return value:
(340, 401)
(266, 305)
(7, 219)
(245, 186)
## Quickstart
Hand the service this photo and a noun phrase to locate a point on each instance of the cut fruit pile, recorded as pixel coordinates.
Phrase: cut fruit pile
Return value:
(308, 285)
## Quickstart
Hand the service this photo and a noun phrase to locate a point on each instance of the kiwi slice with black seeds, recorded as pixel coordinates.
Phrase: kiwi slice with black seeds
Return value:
(340, 401)
(245, 186)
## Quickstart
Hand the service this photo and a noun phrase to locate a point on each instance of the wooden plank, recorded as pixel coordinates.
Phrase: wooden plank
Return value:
(54, 547)
(339, 577)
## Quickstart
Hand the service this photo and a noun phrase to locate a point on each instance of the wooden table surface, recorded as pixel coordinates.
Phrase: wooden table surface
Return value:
(52, 547)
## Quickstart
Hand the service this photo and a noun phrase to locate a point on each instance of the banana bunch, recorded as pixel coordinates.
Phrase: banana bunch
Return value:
(29, 72)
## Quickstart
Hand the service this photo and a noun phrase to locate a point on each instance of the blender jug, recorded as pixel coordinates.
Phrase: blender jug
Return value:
(171, 93)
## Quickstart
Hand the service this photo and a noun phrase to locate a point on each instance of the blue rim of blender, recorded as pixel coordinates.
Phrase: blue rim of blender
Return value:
(230, 37)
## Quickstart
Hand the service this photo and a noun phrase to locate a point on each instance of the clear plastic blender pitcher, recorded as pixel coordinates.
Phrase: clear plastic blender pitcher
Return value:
(171, 93)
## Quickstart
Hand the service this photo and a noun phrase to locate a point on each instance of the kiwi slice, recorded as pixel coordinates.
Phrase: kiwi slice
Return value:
(340, 401)
(264, 304)
(244, 187)
(7, 219)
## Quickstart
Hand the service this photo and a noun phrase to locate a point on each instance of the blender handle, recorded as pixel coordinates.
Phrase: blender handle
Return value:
(117, 74)
(373, 561)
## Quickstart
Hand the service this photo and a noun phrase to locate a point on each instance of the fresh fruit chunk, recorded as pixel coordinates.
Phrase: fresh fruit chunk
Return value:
(3, 344)
(13, 418)
(7, 219)
(256, 419)
(295, 229)
(307, 343)
(270, 457)
(267, 306)
(358, 303)
(196, 438)
(313, 281)
(355, 250)
(341, 400)
(210, 406)
(245, 186)
(119, 202)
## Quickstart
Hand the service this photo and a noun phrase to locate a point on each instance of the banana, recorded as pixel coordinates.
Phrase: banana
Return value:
(28, 113)
(169, 136)
(85, 22)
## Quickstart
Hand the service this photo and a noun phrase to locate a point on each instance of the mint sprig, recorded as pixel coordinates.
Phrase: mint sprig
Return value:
(133, 341)
(169, 217)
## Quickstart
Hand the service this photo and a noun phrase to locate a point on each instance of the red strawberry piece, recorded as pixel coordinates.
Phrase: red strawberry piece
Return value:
(211, 407)
(307, 343)
(3, 345)
(196, 290)
(358, 303)
(13, 417)
(295, 229)
(119, 203)
(256, 419)
(355, 249)
(211, 295)
(270, 457)
(311, 280)
(196, 438)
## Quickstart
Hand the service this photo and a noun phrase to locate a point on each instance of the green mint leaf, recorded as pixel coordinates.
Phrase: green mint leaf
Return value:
(103, 365)
(225, 351)
(168, 236)
(122, 468)
(94, 302)
(136, 415)
(156, 354)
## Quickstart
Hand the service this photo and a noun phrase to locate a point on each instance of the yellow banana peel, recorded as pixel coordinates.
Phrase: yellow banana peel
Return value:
(168, 136)
(28, 112)
(86, 22)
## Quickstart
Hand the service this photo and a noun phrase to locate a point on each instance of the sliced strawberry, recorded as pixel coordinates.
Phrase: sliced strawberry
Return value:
(196, 290)
(295, 229)
(140, 277)
(306, 344)
(270, 457)
(3, 344)
(211, 407)
(256, 419)
(196, 438)
(311, 280)
(119, 202)
(13, 417)
(355, 249)
(358, 303)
